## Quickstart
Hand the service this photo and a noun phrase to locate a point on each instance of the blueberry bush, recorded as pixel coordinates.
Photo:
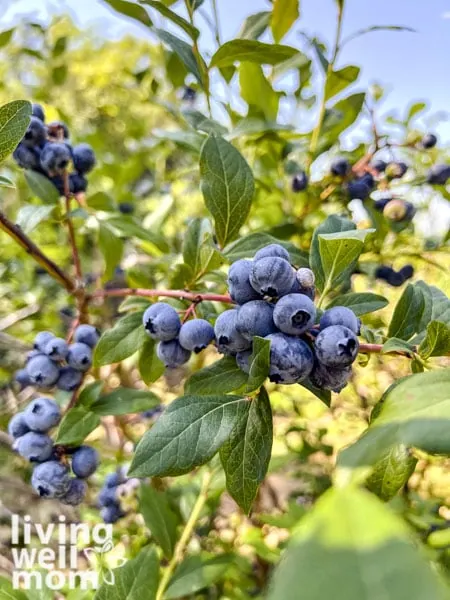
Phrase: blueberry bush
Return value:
(224, 324)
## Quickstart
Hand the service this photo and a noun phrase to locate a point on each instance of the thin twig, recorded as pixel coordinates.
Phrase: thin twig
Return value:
(72, 240)
(181, 294)
(19, 315)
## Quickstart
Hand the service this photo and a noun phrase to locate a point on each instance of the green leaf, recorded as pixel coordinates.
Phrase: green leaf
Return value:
(59, 74)
(14, 120)
(360, 303)
(246, 454)
(339, 80)
(5, 182)
(76, 425)
(259, 364)
(257, 91)
(338, 118)
(332, 224)
(415, 412)
(150, 367)
(111, 248)
(131, 10)
(284, 15)
(223, 375)
(130, 228)
(320, 52)
(90, 394)
(187, 434)
(7, 592)
(198, 121)
(364, 549)
(407, 314)
(42, 187)
(339, 253)
(185, 52)
(159, 518)
(59, 47)
(377, 28)
(396, 345)
(124, 339)
(30, 215)
(255, 25)
(136, 580)
(101, 201)
(323, 395)
(196, 573)
(189, 140)
(414, 109)
(251, 51)
(437, 340)
(198, 247)
(192, 31)
(248, 245)
(124, 401)
(5, 37)
(227, 186)
(391, 472)
(437, 308)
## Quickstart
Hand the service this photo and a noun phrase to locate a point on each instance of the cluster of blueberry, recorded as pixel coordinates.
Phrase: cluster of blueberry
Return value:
(109, 497)
(51, 476)
(395, 209)
(394, 278)
(55, 362)
(47, 150)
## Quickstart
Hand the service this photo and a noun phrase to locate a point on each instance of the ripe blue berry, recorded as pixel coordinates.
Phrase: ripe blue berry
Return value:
(255, 318)
(272, 277)
(77, 183)
(382, 202)
(36, 134)
(42, 371)
(196, 335)
(41, 340)
(294, 314)
(407, 271)
(229, 340)
(56, 127)
(329, 378)
(161, 322)
(239, 285)
(76, 492)
(396, 170)
(291, 359)
(21, 376)
(42, 414)
(429, 140)
(85, 461)
(108, 496)
(340, 167)
(57, 349)
(79, 356)
(379, 165)
(27, 158)
(55, 157)
(171, 354)
(51, 479)
(35, 447)
(38, 111)
(86, 334)
(243, 360)
(340, 315)
(83, 158)
(112, 480)
(17, 426)
(439, 174)
(126, 208)
(336, 346)
(272, 250)
(358, 189)
(111, 513)
(69, 379)
(299, 182)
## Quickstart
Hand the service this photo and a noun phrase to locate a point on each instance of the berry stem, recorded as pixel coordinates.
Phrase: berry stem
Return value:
(181, 294)
(72, 240)
(16, 233)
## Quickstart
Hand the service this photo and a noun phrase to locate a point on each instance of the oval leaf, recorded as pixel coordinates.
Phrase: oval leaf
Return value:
(251, 51)
(124, 339)
(14, 119)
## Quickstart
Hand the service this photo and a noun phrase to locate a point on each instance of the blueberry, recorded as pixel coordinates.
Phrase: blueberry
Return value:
(272, 250)
(358, 189)
(410, 211)
(22, 378)
(83, 158)
(126, 208)
(298, 289)
(189, 94)
(17, 426)
(41, 340)
(42, 371)
(291, 359)
(306, 278)
(55, 157)
(239, 285)
(395, 279)
(330, 378)
(340, 315)
(299, 182)
(272, 277)
(42, 414)
(407, 271)
(79, 356)
(36, 134)
(382, 202)
(340, 167)
(69, 379)
(336, 346)
(76, 492)
(243, 360)
(112, 513)
(439, 174)
(86, 334)
(368, 179)
(51, 479)
(429, 140)
(255, 318)
(196, 335)
(27, 158)
(108, 496)
(396, 170)
(38, 112)
(57, 349)
(399, 210)
(152, 413)
(77, 183)
(379, 165)
(229, 340)
(383, 272)
(112, 480)
(85, 461)
(294, 314)
(57, 127)
(35, 447)
(172, 354)
(161, 322)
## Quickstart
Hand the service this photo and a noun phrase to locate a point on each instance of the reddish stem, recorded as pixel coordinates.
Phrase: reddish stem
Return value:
(72, 240)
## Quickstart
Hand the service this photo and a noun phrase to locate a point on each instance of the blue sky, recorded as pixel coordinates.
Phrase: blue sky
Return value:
(411, 65)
